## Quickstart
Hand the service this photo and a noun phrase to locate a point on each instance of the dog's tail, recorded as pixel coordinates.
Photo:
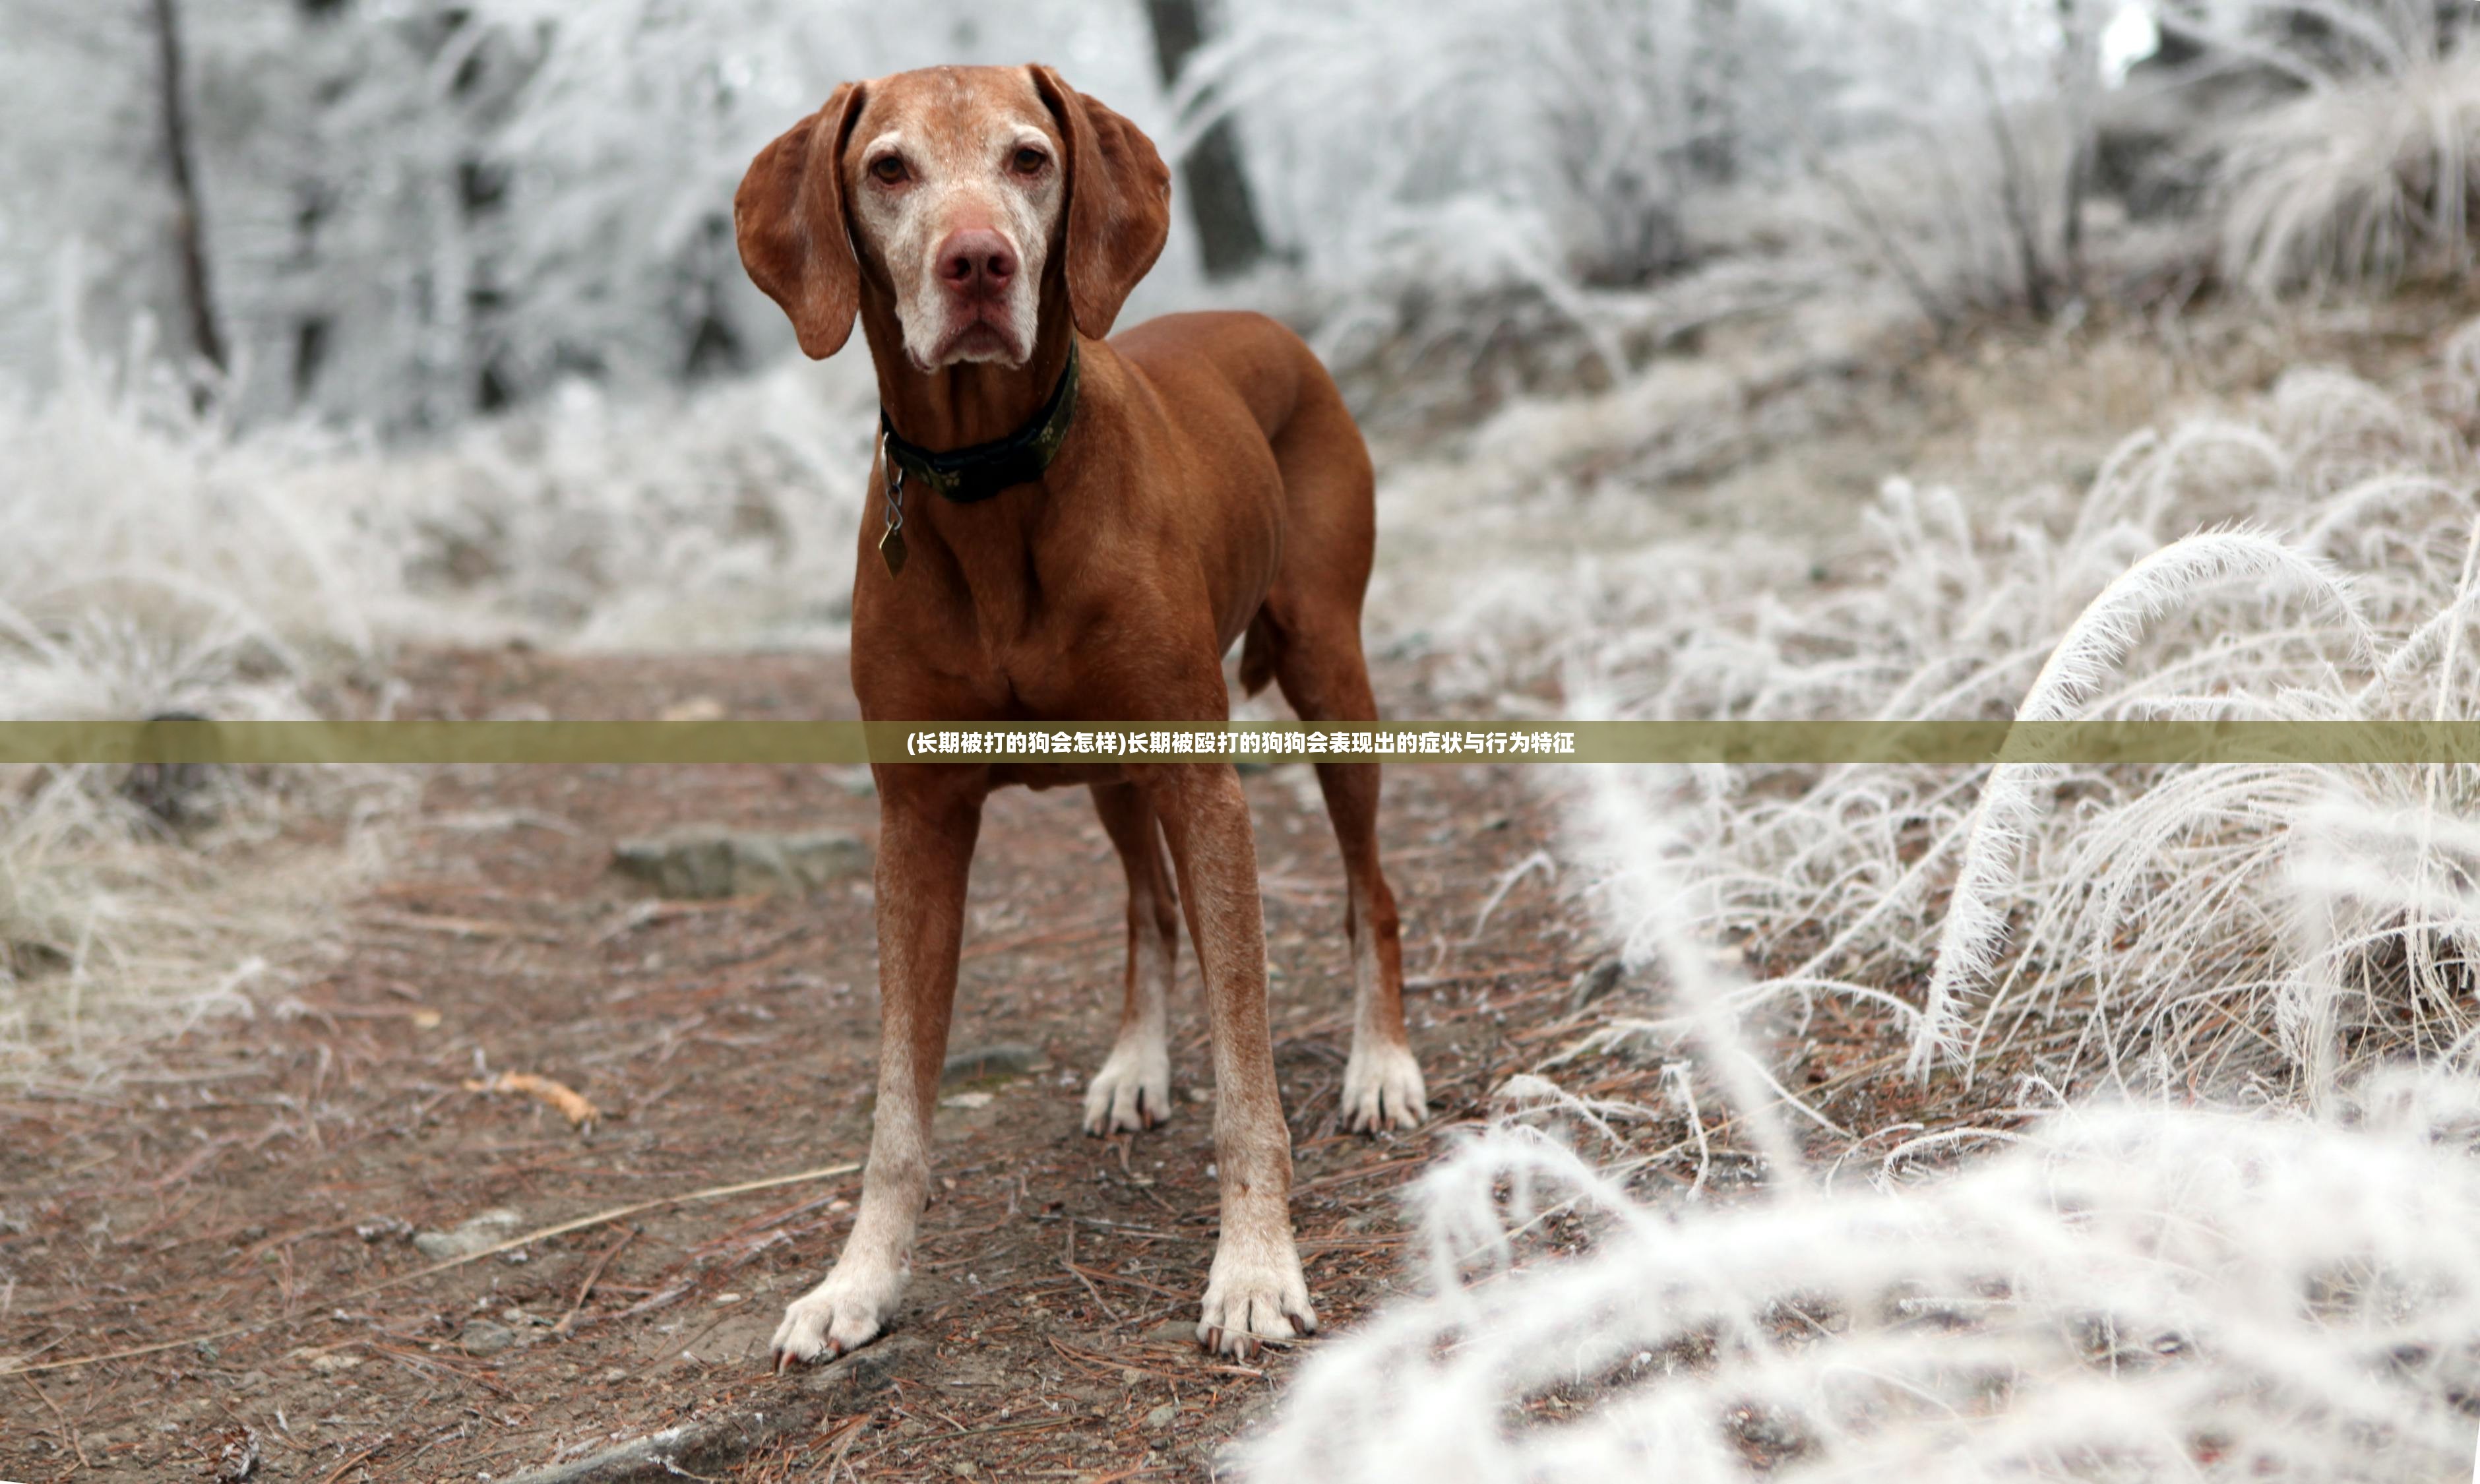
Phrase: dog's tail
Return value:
(1257, 654)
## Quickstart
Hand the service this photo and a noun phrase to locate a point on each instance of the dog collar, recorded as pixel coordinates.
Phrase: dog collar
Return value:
(978, 470)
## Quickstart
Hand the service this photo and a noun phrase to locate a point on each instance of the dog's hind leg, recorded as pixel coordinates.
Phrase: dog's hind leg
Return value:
(1133, 1091)
(1322, 674)
(1308, 635)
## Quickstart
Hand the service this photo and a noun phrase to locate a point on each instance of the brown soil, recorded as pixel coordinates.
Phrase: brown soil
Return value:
(261, 1172)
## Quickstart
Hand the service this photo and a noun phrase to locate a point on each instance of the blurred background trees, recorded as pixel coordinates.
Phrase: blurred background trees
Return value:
(403, 213)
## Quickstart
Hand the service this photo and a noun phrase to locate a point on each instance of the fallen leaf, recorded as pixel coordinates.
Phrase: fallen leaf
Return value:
(572, 1103)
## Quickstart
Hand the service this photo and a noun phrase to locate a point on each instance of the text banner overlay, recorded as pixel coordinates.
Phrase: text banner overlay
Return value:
(778, 742)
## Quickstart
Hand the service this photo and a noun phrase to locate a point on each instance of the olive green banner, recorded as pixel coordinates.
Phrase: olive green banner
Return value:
(1948, 742)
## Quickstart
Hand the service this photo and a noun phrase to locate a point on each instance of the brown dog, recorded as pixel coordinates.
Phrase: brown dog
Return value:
(1137, 505)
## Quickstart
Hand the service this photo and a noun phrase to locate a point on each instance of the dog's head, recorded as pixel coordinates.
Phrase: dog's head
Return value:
(954, 191)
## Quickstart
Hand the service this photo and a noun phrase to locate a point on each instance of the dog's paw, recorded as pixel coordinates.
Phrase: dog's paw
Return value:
(840, 1315)
(1383, 1089)
(1250, 1300)
(1131, 1093)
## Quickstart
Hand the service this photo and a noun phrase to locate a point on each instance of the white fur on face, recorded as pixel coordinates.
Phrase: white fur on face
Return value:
(960, 173)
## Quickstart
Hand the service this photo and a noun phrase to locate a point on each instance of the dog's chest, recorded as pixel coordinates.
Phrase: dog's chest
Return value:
(1048, 635)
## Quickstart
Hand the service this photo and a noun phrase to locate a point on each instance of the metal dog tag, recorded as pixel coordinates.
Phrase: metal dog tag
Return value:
(891, 547)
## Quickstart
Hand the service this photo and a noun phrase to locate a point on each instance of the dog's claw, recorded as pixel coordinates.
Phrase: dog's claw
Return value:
(1226, 1345)
(1132, 1092)
(839, 1315)
(1248, 1303)
(828, 1353)
(1383, 1090)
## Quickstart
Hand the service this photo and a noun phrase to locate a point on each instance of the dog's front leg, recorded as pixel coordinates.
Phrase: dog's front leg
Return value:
(928, 817)
(1256, 1290)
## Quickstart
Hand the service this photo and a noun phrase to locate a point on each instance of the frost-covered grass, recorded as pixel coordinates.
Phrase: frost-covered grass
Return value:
(2122, 1294)
(2367, 174)
(727, 518)
(2201, 1038)
(2309, 554)
(161, 561)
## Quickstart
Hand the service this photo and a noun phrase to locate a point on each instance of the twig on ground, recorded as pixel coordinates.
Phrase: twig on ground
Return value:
(1068, 1261)
(587, 1286)
(1106, 1276)
(67, 1428)
(362, 1457)
(562, 1229)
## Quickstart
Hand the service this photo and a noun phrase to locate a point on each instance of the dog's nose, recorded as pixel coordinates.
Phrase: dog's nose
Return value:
(976, 263)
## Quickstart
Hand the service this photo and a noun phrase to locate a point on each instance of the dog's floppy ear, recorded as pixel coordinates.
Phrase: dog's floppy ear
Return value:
(789, 216)
(1119, 203)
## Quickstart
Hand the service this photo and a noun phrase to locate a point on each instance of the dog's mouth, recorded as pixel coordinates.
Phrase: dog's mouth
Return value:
(978, 332)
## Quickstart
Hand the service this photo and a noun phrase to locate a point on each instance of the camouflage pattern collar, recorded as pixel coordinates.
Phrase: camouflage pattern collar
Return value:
(978, 470)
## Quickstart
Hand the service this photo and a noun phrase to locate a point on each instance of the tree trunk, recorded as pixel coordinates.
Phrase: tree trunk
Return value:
(2015, 195)
(1714, 89)
(2078, 92)
(1217, 186)
(2182, 25)
(189, 227)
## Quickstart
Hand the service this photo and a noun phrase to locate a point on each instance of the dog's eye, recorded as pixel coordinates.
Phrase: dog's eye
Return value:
(889, 169)
(1030, 161)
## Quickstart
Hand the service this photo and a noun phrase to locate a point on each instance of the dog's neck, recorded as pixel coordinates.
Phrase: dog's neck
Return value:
(971, 401)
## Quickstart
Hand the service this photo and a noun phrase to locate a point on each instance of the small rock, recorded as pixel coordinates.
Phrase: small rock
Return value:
(968, 1100)
(1597, 979)
(697, 707)
(708, 862)
(481, 1337)
(174, 794)
(1162, 1416)
(485, 1231)
(330, 1364)
(1001, 1059)
(1173, 1332)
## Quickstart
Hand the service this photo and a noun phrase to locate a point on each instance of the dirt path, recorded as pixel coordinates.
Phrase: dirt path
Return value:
(266, 1170)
